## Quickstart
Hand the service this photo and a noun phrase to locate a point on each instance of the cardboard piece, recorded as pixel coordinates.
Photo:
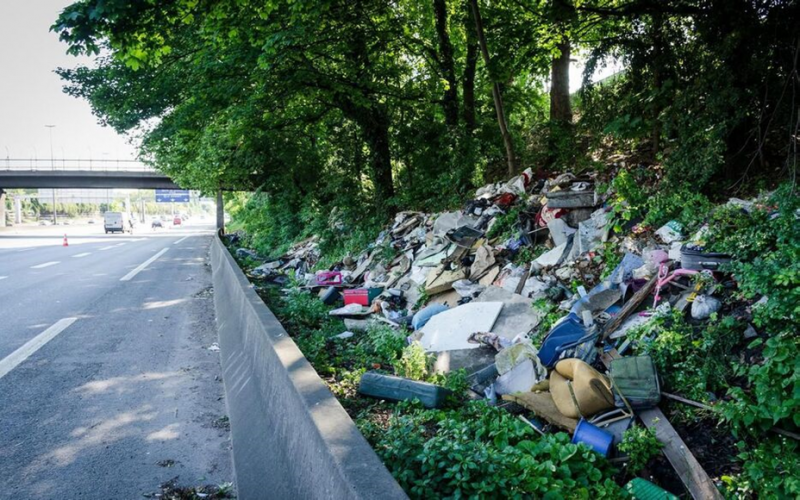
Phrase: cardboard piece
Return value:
(441, 280)
(490, 276)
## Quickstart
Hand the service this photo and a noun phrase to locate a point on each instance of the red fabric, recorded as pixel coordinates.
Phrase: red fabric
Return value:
(505, 200)
(547, 214)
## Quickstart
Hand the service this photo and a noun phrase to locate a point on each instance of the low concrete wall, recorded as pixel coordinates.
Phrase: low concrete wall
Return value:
(291, 437)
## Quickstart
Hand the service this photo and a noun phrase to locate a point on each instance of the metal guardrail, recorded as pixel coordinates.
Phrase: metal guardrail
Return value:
(72, 165)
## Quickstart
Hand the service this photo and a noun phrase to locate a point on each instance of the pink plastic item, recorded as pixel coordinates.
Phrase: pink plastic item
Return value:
(328, 278)
(664, 278)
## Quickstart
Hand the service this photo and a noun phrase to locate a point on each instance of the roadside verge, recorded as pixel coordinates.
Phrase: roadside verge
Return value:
(291, 437)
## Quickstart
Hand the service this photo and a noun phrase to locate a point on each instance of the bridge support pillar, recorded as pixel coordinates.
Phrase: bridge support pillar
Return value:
(220, 212)
(2, 208)
(17, 210)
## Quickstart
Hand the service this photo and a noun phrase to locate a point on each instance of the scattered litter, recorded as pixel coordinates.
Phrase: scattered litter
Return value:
(213, 347)
(670, 232)
(421, 318)
(704, 306)
(521, 378)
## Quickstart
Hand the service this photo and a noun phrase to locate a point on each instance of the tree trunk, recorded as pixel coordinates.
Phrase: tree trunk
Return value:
(658, 61)
(469, 74)
(375, 124)
(496, 94)
(560, 107)
(447, 64)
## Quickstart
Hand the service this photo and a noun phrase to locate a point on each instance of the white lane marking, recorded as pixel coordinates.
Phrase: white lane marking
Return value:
(3, 277)
(119, 244)
(81, 255)
(15, 358)
(146, 263)
(46, 264)
(180, 240)
(107, 248)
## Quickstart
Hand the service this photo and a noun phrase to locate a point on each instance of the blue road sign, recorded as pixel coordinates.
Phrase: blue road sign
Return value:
(172, 195)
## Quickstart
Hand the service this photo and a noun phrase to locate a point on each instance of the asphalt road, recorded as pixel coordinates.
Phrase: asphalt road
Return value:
(108, 387)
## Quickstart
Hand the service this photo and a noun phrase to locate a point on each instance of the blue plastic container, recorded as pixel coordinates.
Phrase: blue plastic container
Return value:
(597, 439)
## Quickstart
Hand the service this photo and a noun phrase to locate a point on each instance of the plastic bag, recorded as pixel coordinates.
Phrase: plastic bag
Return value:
(704, 305)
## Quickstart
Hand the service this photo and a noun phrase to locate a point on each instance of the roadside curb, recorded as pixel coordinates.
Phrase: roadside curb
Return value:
(291, 437)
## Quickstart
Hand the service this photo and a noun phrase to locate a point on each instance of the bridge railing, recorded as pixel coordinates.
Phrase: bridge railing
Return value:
(63, 164)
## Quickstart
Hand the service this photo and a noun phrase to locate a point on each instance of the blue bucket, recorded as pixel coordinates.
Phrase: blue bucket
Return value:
(593, 436)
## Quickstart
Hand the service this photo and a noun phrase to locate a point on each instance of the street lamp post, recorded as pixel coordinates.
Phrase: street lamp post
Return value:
(53, 166)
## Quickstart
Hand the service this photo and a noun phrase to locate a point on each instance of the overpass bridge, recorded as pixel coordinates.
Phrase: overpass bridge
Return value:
(85, 174)
(94, 174)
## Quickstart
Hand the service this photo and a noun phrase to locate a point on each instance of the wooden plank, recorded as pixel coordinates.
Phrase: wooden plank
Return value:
(629, 307)
(692, 474)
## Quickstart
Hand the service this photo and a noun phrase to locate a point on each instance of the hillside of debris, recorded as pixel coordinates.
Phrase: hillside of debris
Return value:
(473, 344)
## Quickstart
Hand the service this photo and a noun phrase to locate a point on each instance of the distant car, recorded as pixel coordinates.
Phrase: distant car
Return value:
(44, 223)
(176, 221)
(156, 223)
(92, 221)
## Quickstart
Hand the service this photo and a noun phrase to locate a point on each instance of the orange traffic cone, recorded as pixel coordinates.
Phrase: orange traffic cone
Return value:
(65, 244)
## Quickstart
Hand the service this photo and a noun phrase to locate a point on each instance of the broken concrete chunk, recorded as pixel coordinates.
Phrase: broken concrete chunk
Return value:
(571, 199)
(518, 316)
(469, 359)
(552, 257)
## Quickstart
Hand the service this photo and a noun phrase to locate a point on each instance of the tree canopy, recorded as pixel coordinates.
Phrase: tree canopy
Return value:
(356, 108)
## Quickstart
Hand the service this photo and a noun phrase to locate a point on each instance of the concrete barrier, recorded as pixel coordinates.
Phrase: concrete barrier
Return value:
(291, 437)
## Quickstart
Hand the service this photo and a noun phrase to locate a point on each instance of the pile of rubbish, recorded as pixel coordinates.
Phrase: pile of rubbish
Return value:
(468, 299)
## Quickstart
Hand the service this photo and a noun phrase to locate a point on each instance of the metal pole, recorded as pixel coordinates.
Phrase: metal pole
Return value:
(53, 167)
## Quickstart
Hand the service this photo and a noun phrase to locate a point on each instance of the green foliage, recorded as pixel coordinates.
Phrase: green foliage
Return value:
(505, 225)
(771, 396)
(770, 471)
(640, 444)
(550, 314)
(385, 343)
(526, 254)
(414, 362)
(482, 451)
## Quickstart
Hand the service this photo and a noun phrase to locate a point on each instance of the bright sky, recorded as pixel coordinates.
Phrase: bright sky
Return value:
(31, 96)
